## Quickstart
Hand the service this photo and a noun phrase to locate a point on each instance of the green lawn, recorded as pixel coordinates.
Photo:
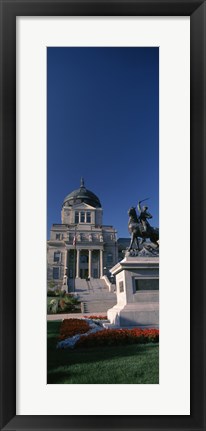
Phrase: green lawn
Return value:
(137, 364)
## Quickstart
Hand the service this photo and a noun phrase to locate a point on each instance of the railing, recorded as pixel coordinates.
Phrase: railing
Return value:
(108, 283)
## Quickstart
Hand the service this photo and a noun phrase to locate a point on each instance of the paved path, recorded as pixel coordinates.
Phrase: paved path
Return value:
(71, 316)
(53, 317)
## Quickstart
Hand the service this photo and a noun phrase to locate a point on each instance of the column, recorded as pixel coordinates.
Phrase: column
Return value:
(77, 263)
(90, 264)
(101, 262)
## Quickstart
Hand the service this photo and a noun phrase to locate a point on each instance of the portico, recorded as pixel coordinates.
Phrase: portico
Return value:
(84, 262)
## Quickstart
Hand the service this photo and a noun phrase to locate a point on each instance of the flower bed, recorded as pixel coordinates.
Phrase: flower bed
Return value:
(95, 317)
(74, 328)
(70, 327)
(88, 333)
(119, 336)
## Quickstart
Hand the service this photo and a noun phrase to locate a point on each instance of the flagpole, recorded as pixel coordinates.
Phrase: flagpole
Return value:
(74, 243)
(74, 265)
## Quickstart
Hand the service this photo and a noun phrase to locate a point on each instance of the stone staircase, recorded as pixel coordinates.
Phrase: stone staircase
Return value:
(94, 295)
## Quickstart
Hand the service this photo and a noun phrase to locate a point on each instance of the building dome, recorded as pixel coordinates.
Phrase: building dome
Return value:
(82, 195)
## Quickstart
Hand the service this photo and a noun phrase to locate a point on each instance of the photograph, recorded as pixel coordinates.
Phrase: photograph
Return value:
(102, 152)
(103, 215)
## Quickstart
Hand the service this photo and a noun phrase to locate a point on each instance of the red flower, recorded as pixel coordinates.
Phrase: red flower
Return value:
(96, 317)
(119, 336)
(70, 327)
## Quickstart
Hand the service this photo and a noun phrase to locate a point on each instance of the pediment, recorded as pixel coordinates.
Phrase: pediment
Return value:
(83, 206)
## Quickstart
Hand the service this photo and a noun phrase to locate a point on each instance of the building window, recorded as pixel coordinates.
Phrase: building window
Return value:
(82, 217)
(76, 217)
(84, 258)
(88, 217)
(71, 255)
(57, 256)
(109, 258)
(59, 236)
(95, 273)
(56, 273)
(95, 256)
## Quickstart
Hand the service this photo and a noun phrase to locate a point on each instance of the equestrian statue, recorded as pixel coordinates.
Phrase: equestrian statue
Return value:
(139, 227)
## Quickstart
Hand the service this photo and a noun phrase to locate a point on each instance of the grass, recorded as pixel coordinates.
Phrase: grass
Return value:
(135, 364)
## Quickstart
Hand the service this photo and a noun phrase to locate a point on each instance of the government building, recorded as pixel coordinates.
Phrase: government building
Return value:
(81, 247)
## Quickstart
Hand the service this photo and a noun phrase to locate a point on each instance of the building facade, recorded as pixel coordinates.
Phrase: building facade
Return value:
(81, 247)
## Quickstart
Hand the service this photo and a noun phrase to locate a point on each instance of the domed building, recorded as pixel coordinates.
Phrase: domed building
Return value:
(81, 247)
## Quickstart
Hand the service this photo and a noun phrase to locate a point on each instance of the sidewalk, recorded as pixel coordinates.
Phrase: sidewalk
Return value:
(72, 316)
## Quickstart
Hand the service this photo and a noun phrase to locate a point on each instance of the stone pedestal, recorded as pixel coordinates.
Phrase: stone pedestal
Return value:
(137, 281)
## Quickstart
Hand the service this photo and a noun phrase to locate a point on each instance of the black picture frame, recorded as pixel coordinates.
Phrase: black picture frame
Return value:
(196, 9)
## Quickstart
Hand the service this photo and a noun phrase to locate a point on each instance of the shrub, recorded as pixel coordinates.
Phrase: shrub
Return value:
(52, 306)
(50, 293)
(68, 303)
(51, 284)
(69, 298)
(108, 337)
(62, 305)
(56, 292)
(70, 327)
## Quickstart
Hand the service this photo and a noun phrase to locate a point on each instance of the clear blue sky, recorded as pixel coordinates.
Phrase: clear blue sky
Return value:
(103, 125)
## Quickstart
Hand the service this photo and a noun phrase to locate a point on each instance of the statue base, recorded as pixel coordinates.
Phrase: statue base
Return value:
(137, 281)
(147, 249)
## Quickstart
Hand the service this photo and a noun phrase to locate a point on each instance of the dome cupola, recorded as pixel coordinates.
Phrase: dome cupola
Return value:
(82, 195)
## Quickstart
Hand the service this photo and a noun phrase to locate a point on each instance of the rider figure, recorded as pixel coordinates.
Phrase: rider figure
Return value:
(143, 216)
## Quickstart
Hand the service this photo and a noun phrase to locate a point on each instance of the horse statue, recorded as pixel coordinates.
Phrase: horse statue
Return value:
(137, 230)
